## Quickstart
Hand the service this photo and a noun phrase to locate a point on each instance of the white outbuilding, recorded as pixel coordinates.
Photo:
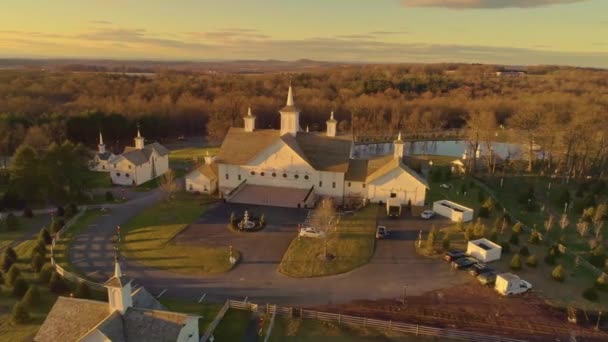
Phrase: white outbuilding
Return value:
(453, 211)
(484, 250)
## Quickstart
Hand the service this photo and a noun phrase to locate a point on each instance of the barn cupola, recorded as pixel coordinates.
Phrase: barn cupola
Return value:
(399, 147)
(249, 120)
(290, 116)
(101, 147)
(331, 126)
(139, 140)
(119, 290)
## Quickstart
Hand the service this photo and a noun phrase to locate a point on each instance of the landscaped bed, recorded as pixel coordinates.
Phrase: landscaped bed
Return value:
(147, 238)
(352, 246)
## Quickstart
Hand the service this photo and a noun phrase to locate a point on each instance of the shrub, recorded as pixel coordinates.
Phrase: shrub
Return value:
(590, 294)
(82, 290)
(32, 297)
(37, 262)
(56, 224)
(10, 252)
(494, 235)
(489, 203)
(506, 247)
(598, 257)
(262, 221)
(7, 261)
(517, 228)
(469, 233)
(602, 283)
(45, 236)
(445, 243)
(514, 240)
(109, 196)
(534, 237)
(431, 238)
(60, 211)
(515, 262)
(56, 284)
(480, 196)
(531, 260)
(20, 287)
(483, 212)
(12, 275)
(559, 273)
(19, 314)
(45, 274)
(27, 212)
(40, 248)
(524, 251)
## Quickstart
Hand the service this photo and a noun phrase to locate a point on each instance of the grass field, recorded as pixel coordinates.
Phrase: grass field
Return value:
(233, 326)
(99, 180)
(352, 245)
(308, 330)
(63, 245)
(26, 226)
(192, 153)
(148, 238)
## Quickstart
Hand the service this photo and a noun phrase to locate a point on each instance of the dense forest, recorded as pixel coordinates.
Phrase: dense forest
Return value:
(564, 109)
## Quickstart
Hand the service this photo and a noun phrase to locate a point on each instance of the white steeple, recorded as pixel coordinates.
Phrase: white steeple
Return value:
(290, 116)
(399, 147)
(101, 147)
(331, 126)
(139, 140)
(249, 121)
(119, 290)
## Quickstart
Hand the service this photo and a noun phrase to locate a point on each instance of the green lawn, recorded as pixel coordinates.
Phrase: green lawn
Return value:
(192, 153)
(305, 330)
(233, 326)
(352, 245)
(26, 226)
(206, 311)
(148, 238)
(63, 245)
(99, 180)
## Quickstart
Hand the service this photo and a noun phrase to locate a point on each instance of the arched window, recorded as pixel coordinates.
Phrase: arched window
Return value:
(253, 173)
(296, 176)
(306, 177)
(262, 173)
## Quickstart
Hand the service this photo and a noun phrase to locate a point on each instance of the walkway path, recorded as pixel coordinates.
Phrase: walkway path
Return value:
(385, 276)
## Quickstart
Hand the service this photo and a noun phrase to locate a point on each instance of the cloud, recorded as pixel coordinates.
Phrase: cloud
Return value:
(101, 22)
(229, 35)
(485, 4)
(136, 36)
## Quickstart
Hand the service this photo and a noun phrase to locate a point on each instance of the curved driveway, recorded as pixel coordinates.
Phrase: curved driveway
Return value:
(393, 267)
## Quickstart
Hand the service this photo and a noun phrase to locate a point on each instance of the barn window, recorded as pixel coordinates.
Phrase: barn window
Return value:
(349, 184)
(320, 184)
(262, 174)
(127, 175)
(296, 176)
(239, 177)
(103, 167)
(363, 185)
(333, 185)
(227, 177)
(393, 195)
(284, 175)
(274, 174)
(306, 177)
(129, 167)
(253, 173)
(117, 174)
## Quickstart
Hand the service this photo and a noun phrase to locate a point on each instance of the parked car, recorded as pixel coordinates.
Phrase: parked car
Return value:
(453, 255)
(478, 269)
(487, 278)
(464, 263)
(382, 232)
(445, 186)
(311, 232)
(427, 214)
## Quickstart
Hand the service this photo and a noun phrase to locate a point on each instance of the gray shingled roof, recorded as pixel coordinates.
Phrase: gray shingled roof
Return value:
(113, 327)
(152, 325)
(144, 300)
(117, 282)
(140, 157)
(368, 170)
(70, 319)
(104, 156)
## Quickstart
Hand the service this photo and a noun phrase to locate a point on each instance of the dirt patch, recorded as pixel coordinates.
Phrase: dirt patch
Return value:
(480, 309)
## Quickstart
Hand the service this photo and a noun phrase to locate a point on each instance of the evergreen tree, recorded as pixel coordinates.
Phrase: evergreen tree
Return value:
(25, 173)
(12, 275)
(559, 273)
(82, 291)
(45, 236)
(431, 238)
(19, 314)
(37, 262)
(32, 297)
(10, 252)
(44, 276)
(7, 262)
(20, 287)
(531, 260)
(515, 262)
(57, 285)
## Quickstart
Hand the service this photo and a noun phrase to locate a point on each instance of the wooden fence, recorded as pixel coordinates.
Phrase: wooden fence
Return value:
(60, 270)
(414, 329)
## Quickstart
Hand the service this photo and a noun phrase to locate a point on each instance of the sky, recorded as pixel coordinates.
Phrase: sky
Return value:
(512, 32)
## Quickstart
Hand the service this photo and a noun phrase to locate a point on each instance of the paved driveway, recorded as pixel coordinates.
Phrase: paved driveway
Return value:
(263, 247)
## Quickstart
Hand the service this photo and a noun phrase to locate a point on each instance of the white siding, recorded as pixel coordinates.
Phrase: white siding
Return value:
(400, 183)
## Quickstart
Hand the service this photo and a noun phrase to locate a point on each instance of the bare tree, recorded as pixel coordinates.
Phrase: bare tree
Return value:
(582, 228)
(564, 222)
(549, 224)
(168, 185)
(323, 219)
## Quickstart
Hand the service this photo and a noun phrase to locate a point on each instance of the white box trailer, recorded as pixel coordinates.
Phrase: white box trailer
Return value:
(509, 284)
(453, 211)
(484, 250)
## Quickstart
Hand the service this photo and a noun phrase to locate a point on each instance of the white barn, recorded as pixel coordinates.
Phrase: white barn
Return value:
(139, 164)
(288, 167)
(204, 178)
(102, 159)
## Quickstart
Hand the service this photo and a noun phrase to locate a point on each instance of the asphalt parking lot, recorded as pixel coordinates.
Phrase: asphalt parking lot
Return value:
(263, 247)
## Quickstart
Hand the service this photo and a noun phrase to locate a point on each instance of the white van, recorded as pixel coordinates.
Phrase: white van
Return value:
(508, 284)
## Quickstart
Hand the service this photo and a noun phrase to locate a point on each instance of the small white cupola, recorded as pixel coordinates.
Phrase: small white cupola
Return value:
(139, 140)
(331, 126)
(398, 147)
(119, 290)
(290, 116)
(101, 147)
(249, 121)
(209, 159)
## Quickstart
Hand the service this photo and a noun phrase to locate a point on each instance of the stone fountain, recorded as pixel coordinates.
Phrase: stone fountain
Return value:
(245, 224)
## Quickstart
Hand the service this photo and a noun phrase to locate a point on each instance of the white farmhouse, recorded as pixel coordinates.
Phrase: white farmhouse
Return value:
(139, 164)
(128, 316)
(287, 167)
(102, 160)
(204, 178)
